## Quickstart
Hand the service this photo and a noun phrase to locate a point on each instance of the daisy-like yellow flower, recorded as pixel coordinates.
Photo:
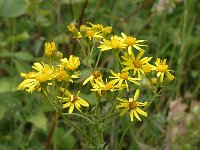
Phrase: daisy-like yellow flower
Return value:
(135, 63)
(114, 43)
(131, 42)
(72, 63)
(162, 69)
(106, 30)
(91, 33)
(101, 88)
(72, 101)
(34, 79)
(71, 27)
(95, 75)
(96, 27)
(49, 48)
(147, 68)
(123, 77)
(132, 105)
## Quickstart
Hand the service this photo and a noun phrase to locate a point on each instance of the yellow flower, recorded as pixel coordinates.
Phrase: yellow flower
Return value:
(114, 43)
(123, 77)
(96, 27)
(34, 79)
(49, 48)
(90, 33)
(130, 42)
(132, 105)
(71, 27)
(72, 63)
(95, 75)
(101, 88)
(147, 68)
(72, 101)
(162, 69)
(135, 63)
(107, 30)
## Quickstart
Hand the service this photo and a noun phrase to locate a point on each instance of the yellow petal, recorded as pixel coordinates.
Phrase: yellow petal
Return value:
(124, 111)
(83, 102)
(136, 115)
(131, 115)
(88, 79)
(71, 108)
(136, 94)
(67, 105)
(140, 111)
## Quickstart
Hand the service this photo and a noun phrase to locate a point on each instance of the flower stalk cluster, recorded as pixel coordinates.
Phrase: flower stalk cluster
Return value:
(117, 84)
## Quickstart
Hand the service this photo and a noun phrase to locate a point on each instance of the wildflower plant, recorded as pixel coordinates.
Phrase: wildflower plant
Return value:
(120, 86)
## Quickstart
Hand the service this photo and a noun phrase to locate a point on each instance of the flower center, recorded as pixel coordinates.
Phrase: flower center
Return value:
(115, 43)
(133, 105)
(109, 86)
(124, 75)
(130, 40)
(75, 98)
(162, 68)
(45, 70)
(96, 74)
(137, 63)
(90, 33)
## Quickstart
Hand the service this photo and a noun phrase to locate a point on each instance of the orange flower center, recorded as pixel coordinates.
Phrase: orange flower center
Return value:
(109, 86)
(133, 105)
(96, 74)
(75, 98)
(124, 75)
(130, 40)
(137, 63)
(45, 70)
(162, 68)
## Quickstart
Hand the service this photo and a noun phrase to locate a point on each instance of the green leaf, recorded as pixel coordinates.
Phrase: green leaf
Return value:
(3, 109)
(12, 8)
(39, 120)
(19, 37)
(24, 55)
(8, 85)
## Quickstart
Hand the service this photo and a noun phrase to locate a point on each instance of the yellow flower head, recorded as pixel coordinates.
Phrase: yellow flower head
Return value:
(72, 63)
(71, 27)
(147, 68)
(132, 105)
(72, 101)
(34, 79)
(162, 69)
(49, 48)
(107, 30)
(101, 88)
(123, 78)
(114, 43)
(135, 63)
(95, 75)
(130, 42)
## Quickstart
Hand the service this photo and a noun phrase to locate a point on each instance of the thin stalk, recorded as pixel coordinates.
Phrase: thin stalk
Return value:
(79, 115)
(97, 61)
(123, 134)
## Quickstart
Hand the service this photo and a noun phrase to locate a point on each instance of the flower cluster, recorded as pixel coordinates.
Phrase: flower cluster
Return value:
(125, 76)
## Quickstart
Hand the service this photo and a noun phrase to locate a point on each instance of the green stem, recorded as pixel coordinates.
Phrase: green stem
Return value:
(110, 115)
(80, 115)
(74, 126)
(97, 60)
(123, 134)
(55, 133)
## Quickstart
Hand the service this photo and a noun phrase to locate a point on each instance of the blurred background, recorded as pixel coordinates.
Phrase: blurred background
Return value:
(172, 30)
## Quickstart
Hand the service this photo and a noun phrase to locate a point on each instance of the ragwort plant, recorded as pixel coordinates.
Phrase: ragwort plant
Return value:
(54, 77)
